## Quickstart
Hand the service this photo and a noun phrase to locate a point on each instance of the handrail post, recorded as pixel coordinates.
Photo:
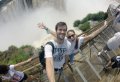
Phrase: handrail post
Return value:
(89, 63)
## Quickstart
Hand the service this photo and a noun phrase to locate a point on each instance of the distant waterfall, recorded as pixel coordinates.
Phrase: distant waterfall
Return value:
(16, 8)
(58, 4)
(12, 10)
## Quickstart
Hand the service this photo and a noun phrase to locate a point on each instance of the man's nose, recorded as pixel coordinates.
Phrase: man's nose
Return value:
(62, 31)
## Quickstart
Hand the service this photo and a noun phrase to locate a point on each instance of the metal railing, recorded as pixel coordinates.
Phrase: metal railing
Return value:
(88, 66)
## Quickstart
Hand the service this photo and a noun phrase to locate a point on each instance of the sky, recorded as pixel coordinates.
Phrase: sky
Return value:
(23, 29)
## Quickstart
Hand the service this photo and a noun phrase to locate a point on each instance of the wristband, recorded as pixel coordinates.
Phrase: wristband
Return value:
(47, 30)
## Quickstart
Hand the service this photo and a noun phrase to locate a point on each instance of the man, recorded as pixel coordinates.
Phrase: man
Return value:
(112, 44)
(114, 62)
(72, 38)
(56, 60)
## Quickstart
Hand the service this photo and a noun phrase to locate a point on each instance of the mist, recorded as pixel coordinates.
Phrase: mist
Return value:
(24, 31)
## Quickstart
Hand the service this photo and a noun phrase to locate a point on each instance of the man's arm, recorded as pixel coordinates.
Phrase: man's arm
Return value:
(49, 63)
(42, 26)
(92, 35)
(50, 69)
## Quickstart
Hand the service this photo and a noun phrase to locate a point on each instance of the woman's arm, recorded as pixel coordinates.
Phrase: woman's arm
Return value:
(21, 63)
(92, 35)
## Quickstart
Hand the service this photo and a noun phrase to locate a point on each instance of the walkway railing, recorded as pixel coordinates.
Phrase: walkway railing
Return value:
(88, 66)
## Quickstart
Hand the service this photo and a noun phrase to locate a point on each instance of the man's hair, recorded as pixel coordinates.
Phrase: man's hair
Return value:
(59, 24)
(4, 69)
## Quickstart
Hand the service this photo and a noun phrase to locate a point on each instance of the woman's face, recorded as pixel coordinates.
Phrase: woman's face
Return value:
(71, 36)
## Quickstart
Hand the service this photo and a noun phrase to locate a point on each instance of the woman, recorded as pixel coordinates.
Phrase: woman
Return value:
(75, 41)
(9, 73)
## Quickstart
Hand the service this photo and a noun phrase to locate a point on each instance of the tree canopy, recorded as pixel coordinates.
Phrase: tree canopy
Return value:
(14, 55)
(84, 25)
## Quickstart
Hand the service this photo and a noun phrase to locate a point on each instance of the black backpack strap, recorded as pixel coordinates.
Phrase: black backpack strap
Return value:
(76, 43)
(41, 56)
(50, 43)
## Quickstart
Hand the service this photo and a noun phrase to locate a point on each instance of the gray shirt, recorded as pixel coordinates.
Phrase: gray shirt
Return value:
(60, 50)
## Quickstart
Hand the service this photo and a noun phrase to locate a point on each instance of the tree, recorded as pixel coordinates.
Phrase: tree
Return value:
(95, 17)
(12, 49)
(87, 18)
(84, 27)
(14, 55)
(76, 23)
(106, 15)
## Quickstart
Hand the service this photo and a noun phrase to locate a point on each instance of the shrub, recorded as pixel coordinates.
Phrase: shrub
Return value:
(84, 27)
(76, 23)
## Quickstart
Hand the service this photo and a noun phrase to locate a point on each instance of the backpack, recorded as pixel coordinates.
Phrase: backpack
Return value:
(42, 54)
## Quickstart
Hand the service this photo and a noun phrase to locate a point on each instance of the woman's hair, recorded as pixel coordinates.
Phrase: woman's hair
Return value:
(4, 69)
(70, 31)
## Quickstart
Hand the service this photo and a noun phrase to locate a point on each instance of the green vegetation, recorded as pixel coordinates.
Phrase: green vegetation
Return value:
(76, 23)
(84, 25)
(14, 55)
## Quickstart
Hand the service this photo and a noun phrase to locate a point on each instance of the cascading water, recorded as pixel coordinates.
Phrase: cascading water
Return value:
(18, 23)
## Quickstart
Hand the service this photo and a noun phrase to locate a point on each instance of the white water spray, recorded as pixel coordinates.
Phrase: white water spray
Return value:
(22, 29)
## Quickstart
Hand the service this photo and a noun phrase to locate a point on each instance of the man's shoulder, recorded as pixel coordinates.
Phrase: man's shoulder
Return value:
(50, 44)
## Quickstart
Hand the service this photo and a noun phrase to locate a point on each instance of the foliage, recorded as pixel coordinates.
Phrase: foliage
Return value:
(12, 48)
(84, 27)
(14, 55)
(99, 16)
(18, 57)
(76, 23)
(105, 16)
(95, 17)
(87, 18)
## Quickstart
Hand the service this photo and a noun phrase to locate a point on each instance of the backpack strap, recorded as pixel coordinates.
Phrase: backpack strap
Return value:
(76, 43)
(50, 43)
(41, 56)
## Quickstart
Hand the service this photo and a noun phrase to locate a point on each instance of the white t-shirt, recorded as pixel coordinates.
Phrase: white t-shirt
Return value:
(13, 74)
(114, 42)
(80, 42)
(60, 50)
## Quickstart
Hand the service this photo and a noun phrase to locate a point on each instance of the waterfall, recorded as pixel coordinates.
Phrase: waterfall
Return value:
(16, 8)
(19, 18)
(12, 10)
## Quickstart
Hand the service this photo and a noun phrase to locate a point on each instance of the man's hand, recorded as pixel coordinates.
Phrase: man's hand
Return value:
(41, 25)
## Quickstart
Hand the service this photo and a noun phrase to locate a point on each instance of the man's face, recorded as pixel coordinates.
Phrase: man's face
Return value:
(61, 32)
